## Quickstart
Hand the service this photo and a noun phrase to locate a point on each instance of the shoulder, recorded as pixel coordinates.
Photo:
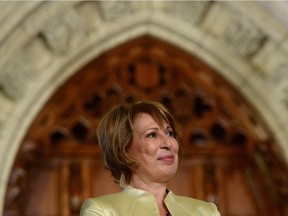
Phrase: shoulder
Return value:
(105, 200)
(98, 206)
(104, 205)
(192, 201)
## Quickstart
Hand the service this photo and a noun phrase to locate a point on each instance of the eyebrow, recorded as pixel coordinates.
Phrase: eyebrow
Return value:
(156, 128)
(153, 128)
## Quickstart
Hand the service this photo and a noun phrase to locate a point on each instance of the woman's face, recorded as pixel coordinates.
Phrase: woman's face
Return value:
(155, 148)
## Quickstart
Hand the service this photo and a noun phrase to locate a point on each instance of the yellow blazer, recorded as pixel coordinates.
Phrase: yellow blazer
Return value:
(136, 202)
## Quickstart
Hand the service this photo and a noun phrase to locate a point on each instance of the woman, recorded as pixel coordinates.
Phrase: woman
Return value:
(141, 149)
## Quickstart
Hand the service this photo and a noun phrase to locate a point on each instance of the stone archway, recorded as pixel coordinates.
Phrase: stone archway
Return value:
(228, 150)
(47, 42)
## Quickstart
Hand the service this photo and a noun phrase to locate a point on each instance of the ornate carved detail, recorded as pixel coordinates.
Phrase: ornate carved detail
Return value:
(75, 189)
(112, 9)
(279, 80)
(25, 162)
(244, 37)
(7, 107)
(18, 75)
(274, 169)
(63, 32)
(192, 11)
(211, 115)
(89, 14)
(210, 183)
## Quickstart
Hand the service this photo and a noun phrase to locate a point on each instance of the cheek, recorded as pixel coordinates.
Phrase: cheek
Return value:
(139, 150)
(149, 149)
(176, 146)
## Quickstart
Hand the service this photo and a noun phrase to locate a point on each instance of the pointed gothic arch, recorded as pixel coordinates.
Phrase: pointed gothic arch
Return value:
(230, 156)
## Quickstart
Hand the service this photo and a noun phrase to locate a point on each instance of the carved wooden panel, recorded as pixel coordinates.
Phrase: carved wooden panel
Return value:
(230, 157)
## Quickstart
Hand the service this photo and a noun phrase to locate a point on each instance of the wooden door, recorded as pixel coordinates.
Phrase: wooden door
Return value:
(229, 155)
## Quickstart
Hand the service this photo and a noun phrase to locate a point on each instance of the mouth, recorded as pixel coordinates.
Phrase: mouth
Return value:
(167, 158)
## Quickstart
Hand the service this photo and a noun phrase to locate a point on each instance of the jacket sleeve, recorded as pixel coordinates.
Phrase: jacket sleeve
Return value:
(91, 208)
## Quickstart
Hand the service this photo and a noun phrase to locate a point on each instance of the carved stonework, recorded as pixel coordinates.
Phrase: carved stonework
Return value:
(6, 108)
(244, 37)
(219, 131)
(239, 33)
(279, 82)
(90, 16)
(64, 32)
(191, 11)
(25, 69)
(112, 10)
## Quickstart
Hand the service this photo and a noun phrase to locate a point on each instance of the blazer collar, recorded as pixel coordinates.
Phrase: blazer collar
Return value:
(145, 202)
(149, 202)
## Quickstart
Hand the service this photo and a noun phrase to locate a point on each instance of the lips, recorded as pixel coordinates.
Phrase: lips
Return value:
(166, 158)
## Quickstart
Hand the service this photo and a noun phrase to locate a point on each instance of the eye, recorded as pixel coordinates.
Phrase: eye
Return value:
(151, 135)
(170, 133)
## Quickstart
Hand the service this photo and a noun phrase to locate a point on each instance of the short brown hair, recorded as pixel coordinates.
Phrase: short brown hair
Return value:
(115, 135)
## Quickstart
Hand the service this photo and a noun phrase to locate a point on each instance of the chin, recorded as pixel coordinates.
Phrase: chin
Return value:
(171, 174)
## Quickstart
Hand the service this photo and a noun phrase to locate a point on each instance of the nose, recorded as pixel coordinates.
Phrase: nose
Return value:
(166, 142)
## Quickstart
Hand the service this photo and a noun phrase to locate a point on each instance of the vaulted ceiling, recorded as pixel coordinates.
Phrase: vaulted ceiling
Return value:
(42, 44)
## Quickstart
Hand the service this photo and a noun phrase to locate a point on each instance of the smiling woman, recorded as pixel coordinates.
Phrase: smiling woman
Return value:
(141, 149)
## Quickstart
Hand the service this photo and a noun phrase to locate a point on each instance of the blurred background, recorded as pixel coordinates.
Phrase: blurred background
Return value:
(219, 66)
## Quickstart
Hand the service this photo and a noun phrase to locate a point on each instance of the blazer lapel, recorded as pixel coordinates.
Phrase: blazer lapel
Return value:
(173, 207)
(145, 203)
